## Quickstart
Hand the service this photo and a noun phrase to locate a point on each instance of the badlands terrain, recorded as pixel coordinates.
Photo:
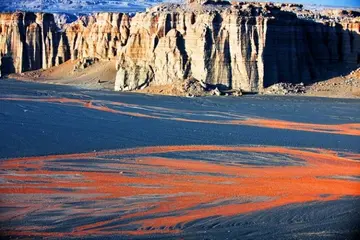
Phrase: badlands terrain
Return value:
(80, 160)
(192, 48)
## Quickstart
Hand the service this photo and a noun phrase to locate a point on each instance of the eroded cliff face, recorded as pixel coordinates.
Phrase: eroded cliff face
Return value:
(245, 46)
(218, 47)
(304, 51)
(30, 41)
(97, 36)
(242, 46)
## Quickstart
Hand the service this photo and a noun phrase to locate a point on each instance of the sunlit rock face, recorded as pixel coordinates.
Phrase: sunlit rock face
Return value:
(30, 41)
(98, 36)
(216, 47)
(245, 46)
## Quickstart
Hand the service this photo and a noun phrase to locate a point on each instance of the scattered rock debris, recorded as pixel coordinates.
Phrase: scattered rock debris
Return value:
(286, 88)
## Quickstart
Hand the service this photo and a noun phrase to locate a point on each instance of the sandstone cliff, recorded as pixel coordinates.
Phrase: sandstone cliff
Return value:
(30, 41)
(245, 46)
(239, 46)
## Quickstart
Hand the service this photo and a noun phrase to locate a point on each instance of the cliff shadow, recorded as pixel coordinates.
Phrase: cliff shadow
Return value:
(299, 50)
(7, 65)
(217, 3)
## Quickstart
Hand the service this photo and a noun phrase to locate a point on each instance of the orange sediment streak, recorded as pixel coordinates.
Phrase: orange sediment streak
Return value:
(186, 189)
(345, 129)
(167, 114)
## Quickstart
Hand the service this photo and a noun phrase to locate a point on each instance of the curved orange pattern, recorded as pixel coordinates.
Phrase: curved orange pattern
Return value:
(145, 191)
(190, 116)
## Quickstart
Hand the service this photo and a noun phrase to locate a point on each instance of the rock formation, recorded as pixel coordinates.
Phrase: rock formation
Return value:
(245, 46)
(30, 41)
(204, 2)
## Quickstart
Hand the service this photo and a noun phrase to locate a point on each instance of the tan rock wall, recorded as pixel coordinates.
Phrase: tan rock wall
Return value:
(235, 48)
(216, 47)
(30, 41)
(239, 46)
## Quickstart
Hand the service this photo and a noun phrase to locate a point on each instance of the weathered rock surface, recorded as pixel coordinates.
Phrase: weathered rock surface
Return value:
(247, 46)
(30, 41)
(204, 2)
(286, 88)
(85, 62)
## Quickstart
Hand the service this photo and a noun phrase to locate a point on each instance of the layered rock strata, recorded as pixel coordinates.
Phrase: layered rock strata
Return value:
(245, 46)
(242, 46)
(30, 41)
